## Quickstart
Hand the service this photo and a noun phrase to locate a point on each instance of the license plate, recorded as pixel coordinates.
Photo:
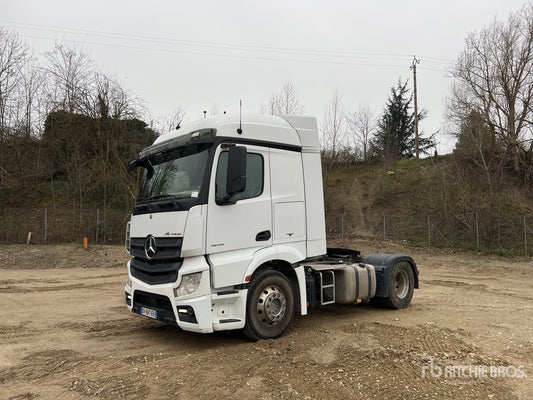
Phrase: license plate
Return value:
(148, 312)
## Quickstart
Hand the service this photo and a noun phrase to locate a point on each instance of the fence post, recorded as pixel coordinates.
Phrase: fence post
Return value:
(525, 237)
(477, 231)
(429, 232)
(45, 225)
(498, 230)
(97, 225)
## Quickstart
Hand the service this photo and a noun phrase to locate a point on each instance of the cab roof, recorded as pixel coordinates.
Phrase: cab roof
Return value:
(285, 130)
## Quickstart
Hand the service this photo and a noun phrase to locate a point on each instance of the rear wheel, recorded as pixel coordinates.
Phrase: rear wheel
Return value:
(269, 306)
(402, 286)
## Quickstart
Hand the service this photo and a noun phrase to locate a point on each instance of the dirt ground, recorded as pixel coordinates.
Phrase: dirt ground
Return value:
(65, 333)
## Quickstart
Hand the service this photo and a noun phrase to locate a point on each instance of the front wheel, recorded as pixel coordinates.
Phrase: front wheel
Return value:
(402, 286)
(269, 306)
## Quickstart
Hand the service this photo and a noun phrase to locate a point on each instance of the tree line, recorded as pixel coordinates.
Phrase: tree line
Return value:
(67, 128)
(491, 101)
(489, 111)
(359, 135)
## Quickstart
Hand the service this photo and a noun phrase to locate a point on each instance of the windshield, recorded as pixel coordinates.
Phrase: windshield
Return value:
(177, 173)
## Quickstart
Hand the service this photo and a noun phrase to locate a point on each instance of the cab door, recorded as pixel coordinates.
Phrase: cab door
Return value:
(241, 225)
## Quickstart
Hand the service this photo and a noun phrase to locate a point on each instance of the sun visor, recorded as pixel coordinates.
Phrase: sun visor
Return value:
(198, 136)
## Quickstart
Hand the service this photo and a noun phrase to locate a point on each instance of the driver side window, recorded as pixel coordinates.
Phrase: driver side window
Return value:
(254, 176)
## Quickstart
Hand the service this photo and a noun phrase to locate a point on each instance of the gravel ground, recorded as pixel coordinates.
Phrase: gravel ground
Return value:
(66, 333)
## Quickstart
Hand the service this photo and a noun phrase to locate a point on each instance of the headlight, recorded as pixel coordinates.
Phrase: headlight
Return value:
(189, 284)
(128, 283)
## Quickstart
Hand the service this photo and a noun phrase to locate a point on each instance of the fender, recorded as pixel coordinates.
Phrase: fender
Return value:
(288, 254)
(291, 256)
(383, 264)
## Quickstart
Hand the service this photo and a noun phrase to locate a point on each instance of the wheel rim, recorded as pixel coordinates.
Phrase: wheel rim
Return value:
(401, 284)
(271, 305)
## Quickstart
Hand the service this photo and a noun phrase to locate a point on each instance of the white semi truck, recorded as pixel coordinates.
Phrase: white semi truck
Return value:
(228, 231)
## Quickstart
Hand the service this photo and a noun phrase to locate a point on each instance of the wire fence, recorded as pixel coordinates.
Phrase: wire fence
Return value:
(61, 225)
(490, 232)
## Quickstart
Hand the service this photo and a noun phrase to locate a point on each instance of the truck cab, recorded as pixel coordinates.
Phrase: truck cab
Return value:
(228, 231)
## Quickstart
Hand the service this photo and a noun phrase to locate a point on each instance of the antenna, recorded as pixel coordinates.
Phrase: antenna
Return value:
(239, 131)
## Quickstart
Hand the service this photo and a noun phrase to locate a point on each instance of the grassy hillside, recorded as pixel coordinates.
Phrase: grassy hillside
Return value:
(437, 202)
(431, 202)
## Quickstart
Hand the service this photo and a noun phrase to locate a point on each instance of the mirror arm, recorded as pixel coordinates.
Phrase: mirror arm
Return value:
(225, 201)
(142, 163)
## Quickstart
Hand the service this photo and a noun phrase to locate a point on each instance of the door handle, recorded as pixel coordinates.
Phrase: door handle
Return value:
(263, 236)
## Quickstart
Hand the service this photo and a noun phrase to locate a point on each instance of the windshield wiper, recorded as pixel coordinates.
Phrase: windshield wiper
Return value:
(171, 199)
(161, 196)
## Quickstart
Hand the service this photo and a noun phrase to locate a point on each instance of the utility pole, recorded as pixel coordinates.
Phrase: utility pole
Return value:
(413, 67)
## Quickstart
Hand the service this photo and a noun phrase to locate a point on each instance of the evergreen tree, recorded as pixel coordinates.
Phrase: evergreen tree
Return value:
(395, 133)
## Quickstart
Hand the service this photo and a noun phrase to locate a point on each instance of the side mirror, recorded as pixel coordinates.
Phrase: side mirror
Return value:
(236, 178)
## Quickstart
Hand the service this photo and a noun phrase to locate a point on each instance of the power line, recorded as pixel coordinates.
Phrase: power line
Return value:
(320, 53)
(221, 45)
(226, 55)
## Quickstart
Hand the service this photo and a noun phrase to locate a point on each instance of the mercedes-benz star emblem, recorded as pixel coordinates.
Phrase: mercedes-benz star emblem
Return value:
(150, 247)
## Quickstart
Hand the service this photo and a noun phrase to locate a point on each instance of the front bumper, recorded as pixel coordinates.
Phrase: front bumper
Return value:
(191, 312)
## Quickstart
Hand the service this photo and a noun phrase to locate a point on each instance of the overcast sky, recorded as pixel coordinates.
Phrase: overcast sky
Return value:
(206, 55)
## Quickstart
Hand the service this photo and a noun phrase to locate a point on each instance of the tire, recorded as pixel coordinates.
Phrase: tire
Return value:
(269, 306)
(402, 286)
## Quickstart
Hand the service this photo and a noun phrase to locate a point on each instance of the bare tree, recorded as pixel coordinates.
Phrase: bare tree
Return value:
(14, 55)
(176, 118)
(333, 129)
(25, 122)
(360, 128)
(284, 102)
(494, 77)
(32, 117)
(272, 107)
(171, 121)
(289, 104)
(14, 112)
(70, 70)
(104, 97)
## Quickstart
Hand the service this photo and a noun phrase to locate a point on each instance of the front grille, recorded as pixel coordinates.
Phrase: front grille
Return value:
(163, 267)
(167, 248)
(156, 302)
